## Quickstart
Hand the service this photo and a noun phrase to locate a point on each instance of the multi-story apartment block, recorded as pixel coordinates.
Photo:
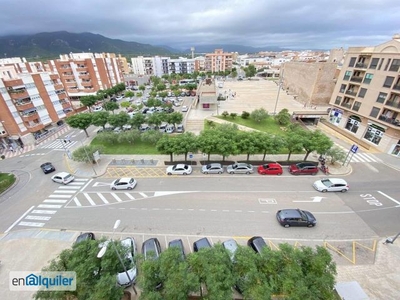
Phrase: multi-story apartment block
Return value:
(84, 74)
(29, 105)
(366, 99)
(160, 66)
(181, 65)
(199, 63)
(218, 61)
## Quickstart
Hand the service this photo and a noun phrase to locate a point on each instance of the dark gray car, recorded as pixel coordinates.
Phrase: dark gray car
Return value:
(214, 168)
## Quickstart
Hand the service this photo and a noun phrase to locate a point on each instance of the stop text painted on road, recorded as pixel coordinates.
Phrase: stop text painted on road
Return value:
(371, 200)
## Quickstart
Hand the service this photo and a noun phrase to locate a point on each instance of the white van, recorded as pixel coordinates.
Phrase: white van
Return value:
(163, 127)
(180, 128)
(170, 128)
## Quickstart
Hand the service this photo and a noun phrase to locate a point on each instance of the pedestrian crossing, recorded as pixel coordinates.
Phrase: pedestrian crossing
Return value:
(361, 157)
(59, 145)
(19, 151)
(43, 212)
(90, 199)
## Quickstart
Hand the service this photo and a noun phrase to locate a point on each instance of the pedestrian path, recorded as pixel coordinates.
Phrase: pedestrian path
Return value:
(49, 207)
(59, 144)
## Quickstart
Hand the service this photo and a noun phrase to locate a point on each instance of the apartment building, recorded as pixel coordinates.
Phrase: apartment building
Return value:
(181, 65)
(83, 74)
(30, 104)
(218, 61)
(366, 99)
(160, 66)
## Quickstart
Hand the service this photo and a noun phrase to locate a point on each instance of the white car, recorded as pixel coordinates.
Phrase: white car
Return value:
(331, 185)
(185, 108)
(120, 98)
(63, 178)
(179, 169)
(123, 184)
(97, 108)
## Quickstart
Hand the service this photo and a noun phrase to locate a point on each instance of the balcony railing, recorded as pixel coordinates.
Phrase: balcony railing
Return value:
(348, 92)
(356, 79)
(395, 104)
(347, 105)
(21, 106)
(396, 87)
(392, 121)
(342, 91)
(361, 65)
(33, 127)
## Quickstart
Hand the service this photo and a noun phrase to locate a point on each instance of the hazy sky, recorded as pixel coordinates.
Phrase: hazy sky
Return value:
(183, 23)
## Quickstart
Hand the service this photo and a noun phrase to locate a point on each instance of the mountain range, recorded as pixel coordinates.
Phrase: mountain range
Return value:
(48, 45)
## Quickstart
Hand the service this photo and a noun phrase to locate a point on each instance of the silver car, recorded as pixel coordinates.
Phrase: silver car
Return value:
(214, 168)
(240, 168)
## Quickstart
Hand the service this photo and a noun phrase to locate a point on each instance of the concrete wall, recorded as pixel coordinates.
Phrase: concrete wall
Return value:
(313, 83)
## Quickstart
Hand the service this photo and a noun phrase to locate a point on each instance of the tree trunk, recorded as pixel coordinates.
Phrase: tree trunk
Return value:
(209, 156)
(185, 156)
(223, 157)
(171, 157)
(307, 154)
(265, 154)
(290, 153)
(248, 156)
(87, 134)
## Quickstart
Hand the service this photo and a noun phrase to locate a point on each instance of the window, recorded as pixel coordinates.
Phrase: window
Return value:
(387, 64)
(368, 78)
(362, 93)
(356, 106)
(395, 65)
(374, 63)
(388, 81)
(380, 64)
(374, 112)
(342, 88)
(338, 100)
(352, 62)
(352, 125)
(381, 97)
(347, 75)
(374, 134)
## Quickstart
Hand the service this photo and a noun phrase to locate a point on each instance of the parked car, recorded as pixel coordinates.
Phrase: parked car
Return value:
(331, 185)
(144, 128)
(47, 167)
(270, 169)
(178, 244)
(295, 217)
(84, 237)
(231, 246)
(130, 263)
(179, 128)
(303, 168)
(169, 110)
(257, 243)
(201, 244)
(101, 129)
(97, 108)
(179, 169)
(163, 126)
(240, 168)
(214, 168)
(63, 178)
(117, 130)
(126, 127)
(119, 98)
(170, 128)
(123, 184)
(185, 108)
(151, 249)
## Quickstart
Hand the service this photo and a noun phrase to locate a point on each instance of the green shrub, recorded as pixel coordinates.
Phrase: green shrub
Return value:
(6, 180)
(233, 115)
(245, 115)
(225, 114)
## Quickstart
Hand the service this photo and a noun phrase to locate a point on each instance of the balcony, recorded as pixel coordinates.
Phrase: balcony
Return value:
(392, 121)
(81, 68)
(33, 127)
(24, 105)
(84, 76)
(344, 78)
(30, 116)
(395, 104)
(396, 87)
(360, 65)
(351, 93)
(342, 91)
(356, 79)
(65, 104)
(18, 94)
(347, 105)
(58, 86)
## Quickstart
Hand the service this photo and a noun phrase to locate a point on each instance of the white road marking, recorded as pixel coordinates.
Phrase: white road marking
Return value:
(31, 224)
(60, 196)
(19, 219)
(102, 198)
(390, 198)
(68, 192)
(41, 218)
(44, 212)
(54, 201)
(116, 197)
(67, 187)
(77, 202)
(130, 196)
(49, 206)
(143, 195)
(89, 199)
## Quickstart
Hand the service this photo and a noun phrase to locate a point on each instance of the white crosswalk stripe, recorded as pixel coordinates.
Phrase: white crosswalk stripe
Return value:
(55, 201)
(361, 157)
(59, 144)
(90, 199)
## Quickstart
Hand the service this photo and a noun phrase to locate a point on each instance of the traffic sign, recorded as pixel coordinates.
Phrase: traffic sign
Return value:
(354, 148)
(190, 155)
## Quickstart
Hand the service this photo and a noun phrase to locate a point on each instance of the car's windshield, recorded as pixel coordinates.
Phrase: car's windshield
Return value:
(326, 182)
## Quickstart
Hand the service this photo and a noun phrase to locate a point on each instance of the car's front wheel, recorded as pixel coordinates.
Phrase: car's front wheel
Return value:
(286, 225)
(185, 173)
(129, 188)
(310, 225)
(231, 173)
(113, 188)
(169, 173)
(279, 174)
(324, 191)
(247, 172)
(205, 173)
(344, 191)
(219, 172)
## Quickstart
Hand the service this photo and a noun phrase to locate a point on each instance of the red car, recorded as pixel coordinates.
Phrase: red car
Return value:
(270, 169)
(304, 168)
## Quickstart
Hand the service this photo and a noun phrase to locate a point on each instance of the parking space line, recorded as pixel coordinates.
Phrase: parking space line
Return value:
(190, 247)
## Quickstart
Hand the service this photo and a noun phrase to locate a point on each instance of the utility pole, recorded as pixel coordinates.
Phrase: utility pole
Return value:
(279, 89)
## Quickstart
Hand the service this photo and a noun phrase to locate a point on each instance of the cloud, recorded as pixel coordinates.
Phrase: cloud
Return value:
(183, 23)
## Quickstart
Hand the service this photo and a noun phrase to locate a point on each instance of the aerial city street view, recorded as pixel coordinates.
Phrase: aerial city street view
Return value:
(197, 154)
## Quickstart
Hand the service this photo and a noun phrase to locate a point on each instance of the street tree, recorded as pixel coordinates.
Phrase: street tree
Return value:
(95, 277)
(85, 153)
(161, 87)
(128, 137)
(137, 120)
(125, 104)
(177, 92)
(207, 142)
(166, 145)
(129, 94)
(294, 141)
(80, 121)
(259, 115)
(316, 141)
(107, 137)
(151, 137)
(247, 143)
(110, 106)
(185, 143)
(119, 119)
(336, 154)
(89, 101)
(191, 86)
(101, 94)
(142, 87)
(250, 71)
(155, 119)
(283, 117)
(175, 117)
(100, 118)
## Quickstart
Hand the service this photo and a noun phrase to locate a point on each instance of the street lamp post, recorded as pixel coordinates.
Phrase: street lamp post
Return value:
(104, 249)
(279, 89)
